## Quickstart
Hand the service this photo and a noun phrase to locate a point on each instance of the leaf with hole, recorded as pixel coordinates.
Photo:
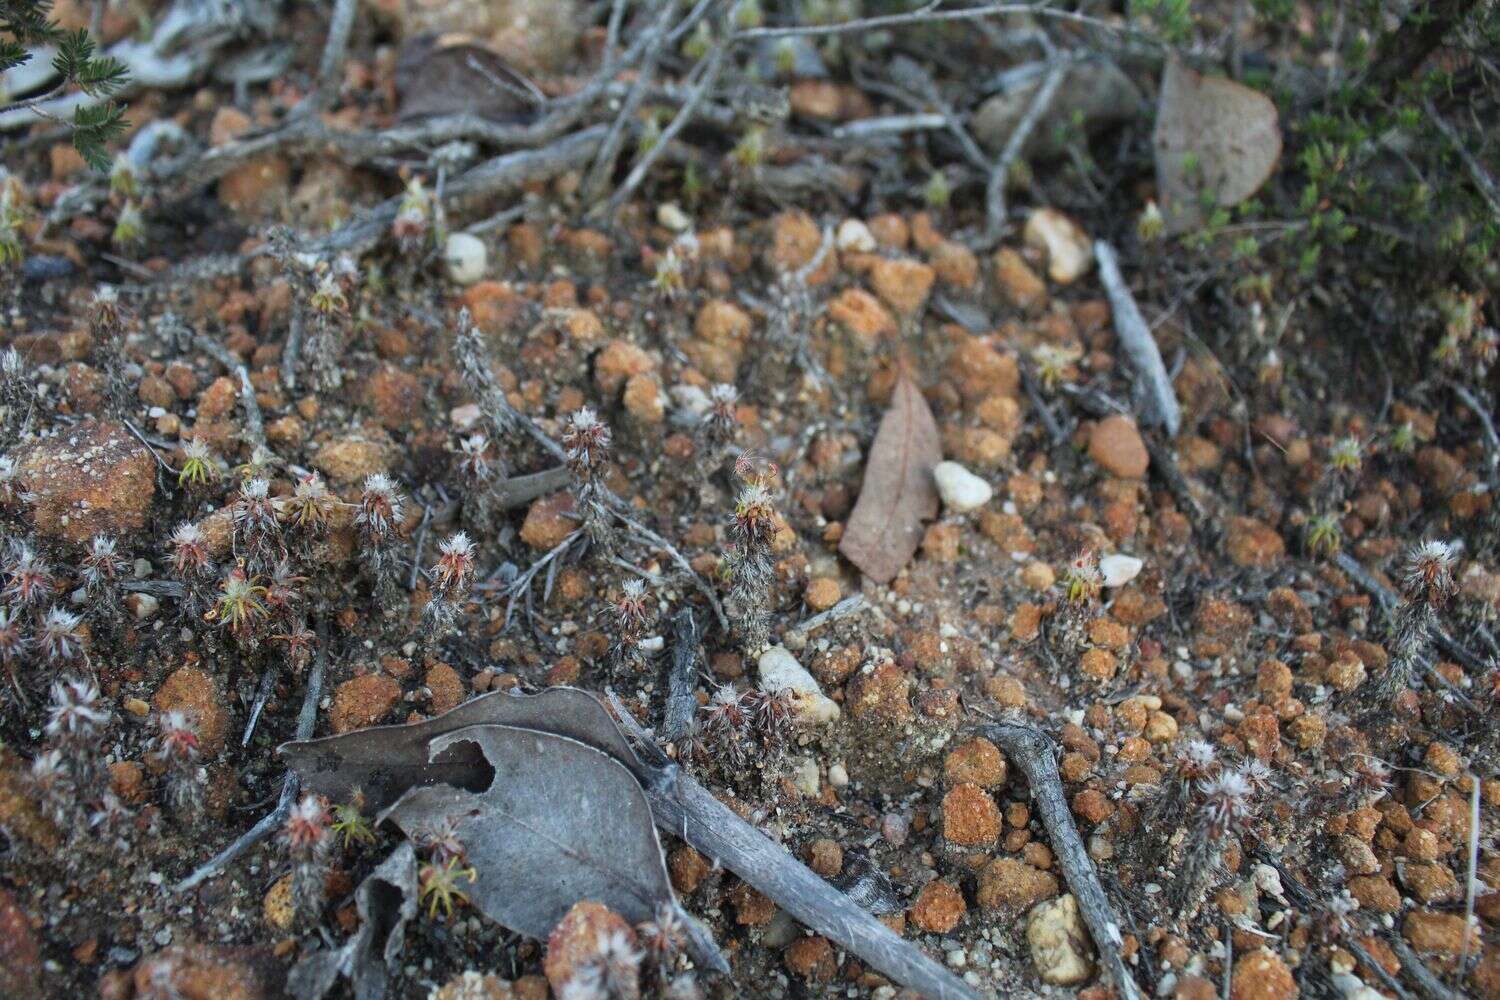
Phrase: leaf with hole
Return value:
(545, 822)
(898, 493)
(1216, 143)
(384, 761)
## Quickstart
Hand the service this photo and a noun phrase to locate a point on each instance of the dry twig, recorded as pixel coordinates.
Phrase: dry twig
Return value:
(1157, 399)
(686, 809)
(1032, 751)
(255, 426)
(307, 716)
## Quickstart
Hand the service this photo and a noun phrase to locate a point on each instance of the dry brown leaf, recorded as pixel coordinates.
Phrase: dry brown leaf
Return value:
(1216, 141)
(441, 76)
(898, 494)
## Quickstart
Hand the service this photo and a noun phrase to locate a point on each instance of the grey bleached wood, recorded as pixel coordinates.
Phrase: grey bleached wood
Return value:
(682, 677)
(1032, 751)
(1156, 398)
(687, 809)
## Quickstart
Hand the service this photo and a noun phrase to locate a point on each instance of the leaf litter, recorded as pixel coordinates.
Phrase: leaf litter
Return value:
(386, 901)
(557, 822)
(1216, 141)
(554, 805)
(898, 494)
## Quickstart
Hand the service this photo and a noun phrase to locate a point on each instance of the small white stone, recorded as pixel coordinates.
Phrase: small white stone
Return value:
(466, 257)
(689, 404)
(1058, 939)
(145, 606)
(653, 644)
(1069, 253)
(464, 416)
(854, 236)
(961, 490)
(673, 218)
(838, 775)
(1118, 570)
(805, 777)
(780, 671)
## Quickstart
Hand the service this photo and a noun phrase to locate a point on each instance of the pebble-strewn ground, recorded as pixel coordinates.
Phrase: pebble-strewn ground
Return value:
(1176, 630)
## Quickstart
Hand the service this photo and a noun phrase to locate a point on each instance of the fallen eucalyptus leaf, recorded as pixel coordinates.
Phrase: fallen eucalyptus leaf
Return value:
(898, 495)
(1215, 140)
(547, 823)
(435, 76)
(383, 762)
(387, 901)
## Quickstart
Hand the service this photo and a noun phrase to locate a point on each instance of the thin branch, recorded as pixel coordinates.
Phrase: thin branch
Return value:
(1411, 964)
(1388, 600)
(994, 192)
(853, 604)
(307, 716)
(1153, 386)
(291, 351)
(652, 538)
(867, 128)
(501, 175)
(609, 150)
(684, 808)
(1033, 752)
(257, 707)
(1487, 423)
(335, 50)
(931, 13)
(255, 427)
(1471, 883)
(712, 64)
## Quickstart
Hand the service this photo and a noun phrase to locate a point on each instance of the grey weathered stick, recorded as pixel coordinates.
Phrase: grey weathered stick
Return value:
(501, 175)
(1153, 385)
(682, 677)
(609, 150)
(255, 427)
(994, 190)
(1031, 750)
(1412, 965)
(890, 125)
(262, 696)
(1309, 900)
(712, 64)
(517, 491)
(307, 715)
(331, 66)
(291, 352)
(1487, 424)
(686, 809)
